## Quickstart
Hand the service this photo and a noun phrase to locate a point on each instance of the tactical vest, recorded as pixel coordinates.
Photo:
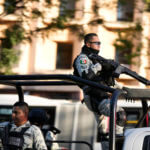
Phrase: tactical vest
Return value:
(15, 140)
(105, 78)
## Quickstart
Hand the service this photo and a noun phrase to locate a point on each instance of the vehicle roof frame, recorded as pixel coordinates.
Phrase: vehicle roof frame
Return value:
(31, 80)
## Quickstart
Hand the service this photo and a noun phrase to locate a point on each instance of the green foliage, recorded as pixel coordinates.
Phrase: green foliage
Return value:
(138, 27)
(95, 7)
(11, 6)
(13, 36)
(58, 23)
(124, 44)
(147, 4)
(48, 1)
(66, 14)
(8, 55)
(122, 2)
(36, 13)
(8, 58)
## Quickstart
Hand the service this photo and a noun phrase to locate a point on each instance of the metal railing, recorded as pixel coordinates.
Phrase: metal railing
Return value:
(56, 79)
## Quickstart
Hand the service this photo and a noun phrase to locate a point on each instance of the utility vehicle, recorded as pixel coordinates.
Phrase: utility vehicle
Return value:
(136, 138)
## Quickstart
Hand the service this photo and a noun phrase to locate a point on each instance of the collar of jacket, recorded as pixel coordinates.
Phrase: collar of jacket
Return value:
(86, 50)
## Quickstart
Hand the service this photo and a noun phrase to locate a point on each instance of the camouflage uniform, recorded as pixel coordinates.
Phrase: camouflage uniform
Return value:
(33, 138)
(96, 100)
(51, 137)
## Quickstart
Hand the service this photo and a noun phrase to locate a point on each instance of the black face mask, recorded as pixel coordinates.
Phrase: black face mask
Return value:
(88, 51)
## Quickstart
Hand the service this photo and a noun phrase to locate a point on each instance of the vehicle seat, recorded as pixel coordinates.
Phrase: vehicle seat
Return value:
(137, 139)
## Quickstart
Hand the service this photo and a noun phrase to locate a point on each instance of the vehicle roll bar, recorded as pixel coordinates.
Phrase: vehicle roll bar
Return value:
(63, 80)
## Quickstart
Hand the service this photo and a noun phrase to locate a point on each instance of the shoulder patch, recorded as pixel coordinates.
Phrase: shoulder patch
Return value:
(83, 60)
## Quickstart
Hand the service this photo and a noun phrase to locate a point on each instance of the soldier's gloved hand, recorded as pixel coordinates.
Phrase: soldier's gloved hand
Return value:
(126, 89)
(97, 67)
(127, 93)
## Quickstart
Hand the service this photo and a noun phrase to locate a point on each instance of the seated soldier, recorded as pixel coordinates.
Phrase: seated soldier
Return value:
(20, 134)
(39, 117)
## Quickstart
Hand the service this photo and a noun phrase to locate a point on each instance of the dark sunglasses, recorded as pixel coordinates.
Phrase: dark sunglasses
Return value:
(96, 43)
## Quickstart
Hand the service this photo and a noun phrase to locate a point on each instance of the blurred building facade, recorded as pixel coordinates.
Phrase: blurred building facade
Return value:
(55, 52)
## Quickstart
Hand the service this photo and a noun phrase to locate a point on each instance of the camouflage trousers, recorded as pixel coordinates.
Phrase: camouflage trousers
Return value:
(103, 119)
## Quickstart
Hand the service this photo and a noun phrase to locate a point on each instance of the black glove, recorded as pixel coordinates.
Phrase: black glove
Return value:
(55, 130)
(127, 94)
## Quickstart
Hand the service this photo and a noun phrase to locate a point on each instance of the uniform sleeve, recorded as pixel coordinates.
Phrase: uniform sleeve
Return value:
(86, 68)
(51, 137)
(38, 139)
(118, 85)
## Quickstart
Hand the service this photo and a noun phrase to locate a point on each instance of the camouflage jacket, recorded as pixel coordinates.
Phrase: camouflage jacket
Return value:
(33, 137)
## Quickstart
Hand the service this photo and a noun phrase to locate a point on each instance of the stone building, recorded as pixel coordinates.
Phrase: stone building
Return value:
(54, 53)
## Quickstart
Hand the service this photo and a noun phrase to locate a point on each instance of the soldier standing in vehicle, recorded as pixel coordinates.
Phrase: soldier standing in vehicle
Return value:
(20, 134)
(97, 100)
